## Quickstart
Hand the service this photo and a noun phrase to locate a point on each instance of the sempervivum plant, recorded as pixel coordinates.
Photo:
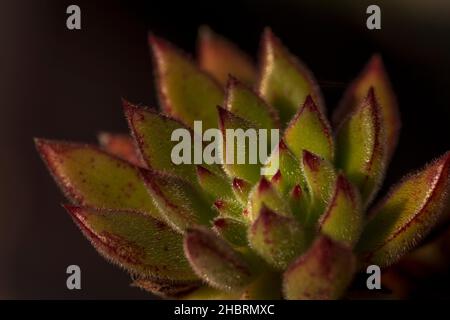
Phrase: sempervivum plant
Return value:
(225, 231)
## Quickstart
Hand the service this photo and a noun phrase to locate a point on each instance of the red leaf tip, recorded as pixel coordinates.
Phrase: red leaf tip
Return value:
(311, 160)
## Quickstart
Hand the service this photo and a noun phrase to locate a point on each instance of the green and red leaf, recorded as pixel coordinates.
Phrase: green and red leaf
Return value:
(90, 177)
(284, 81)
(185, 92)
(407, 214)
(122, 146)
(144, 246)
(361, 145)
(375, 76)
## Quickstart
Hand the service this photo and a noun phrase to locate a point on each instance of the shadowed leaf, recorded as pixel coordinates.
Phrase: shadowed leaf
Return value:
(165, 288)
(137, 242)
(185, 92)
(322, 272)
(214, 260)
(361, 146)
(220, 58)
(406, 215)
(285, 82)
(91, 177)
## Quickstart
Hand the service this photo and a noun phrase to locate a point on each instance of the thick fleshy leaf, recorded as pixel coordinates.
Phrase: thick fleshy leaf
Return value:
(91, 177)
(285, 82)
(247, 168)
(208, 293)
(122, 146)
(214, 184)
(179, 202)
(299, 202)
(322, 272)
(266, 286)
(374, 76)
(320, 178)
(215, 261)
(289, 167)
(137, 242)
(264, 193)
(406, 214)
(232, 230)
(361, 146)
(309, 130)
(242, 101)
(153, 134)
(165, 288)
(343, 218)
(185, 92)
(220, 58)
(275, 238)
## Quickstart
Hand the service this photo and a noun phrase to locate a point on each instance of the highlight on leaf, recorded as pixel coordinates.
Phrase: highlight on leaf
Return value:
(122, 146)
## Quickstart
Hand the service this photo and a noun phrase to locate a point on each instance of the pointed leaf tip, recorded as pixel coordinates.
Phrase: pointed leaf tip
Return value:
(142, 245)
(215, 261)
(185, 92)
(407, 214)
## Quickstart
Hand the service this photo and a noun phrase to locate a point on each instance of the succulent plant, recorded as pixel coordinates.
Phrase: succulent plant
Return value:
(197, 231)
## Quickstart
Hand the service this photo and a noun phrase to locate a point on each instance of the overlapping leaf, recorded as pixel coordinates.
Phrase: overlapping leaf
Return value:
(122, 146)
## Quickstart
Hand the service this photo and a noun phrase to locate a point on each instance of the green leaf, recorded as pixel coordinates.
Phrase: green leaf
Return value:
(215, 261)
(165, 288)
(220, 58)
(185, 92)
(276, 238)
(264, 193)
(375, 76)
(309, 130)
(406, 215)
(343, 218)
(285, 82)
(153, 133)
(179, 202)
(320, 178)
(232, 230)
(242, 101)
(137, 242)
(299, 203)
(361, 146)
(91, 177)
(322, 272)
(122, 146)
(246, 168)
(214, 184)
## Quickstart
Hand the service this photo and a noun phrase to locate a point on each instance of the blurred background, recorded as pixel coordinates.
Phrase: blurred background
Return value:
(57, 83)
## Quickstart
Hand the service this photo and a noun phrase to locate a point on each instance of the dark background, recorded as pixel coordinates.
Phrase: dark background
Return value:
(63, 84)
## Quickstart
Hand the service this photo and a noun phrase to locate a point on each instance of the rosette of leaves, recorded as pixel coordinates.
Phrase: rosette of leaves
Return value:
(226, 232)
